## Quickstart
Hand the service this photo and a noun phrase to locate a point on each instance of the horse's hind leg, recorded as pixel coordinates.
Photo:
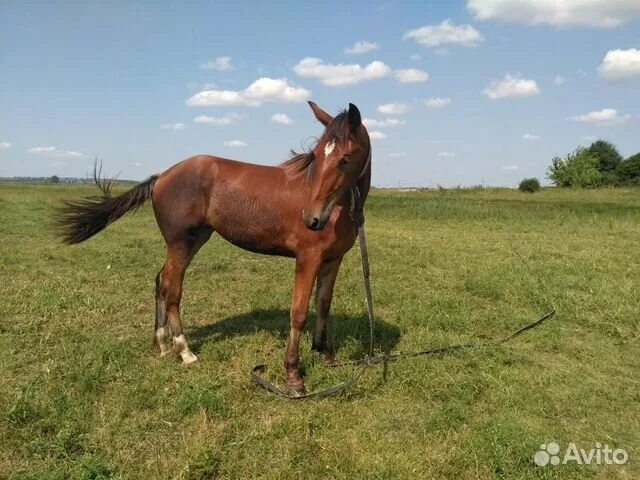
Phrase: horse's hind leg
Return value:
(325, 283)
(169, 292)
(161, 336)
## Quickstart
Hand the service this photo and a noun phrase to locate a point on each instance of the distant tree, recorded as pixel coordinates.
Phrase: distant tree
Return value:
(628, 172)
(558, 172)
(608, 160)
(54, 179)
(578, 169)
(530, 185)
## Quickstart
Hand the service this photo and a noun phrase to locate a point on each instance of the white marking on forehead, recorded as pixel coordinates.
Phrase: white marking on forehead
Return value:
(328, 148)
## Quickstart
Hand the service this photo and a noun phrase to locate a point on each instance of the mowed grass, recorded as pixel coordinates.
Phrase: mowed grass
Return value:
(83, 394)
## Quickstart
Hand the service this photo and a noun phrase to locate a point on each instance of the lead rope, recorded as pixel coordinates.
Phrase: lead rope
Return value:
(357, 215)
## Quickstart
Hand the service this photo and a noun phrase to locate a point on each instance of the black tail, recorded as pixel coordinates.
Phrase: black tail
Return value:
(82, 219)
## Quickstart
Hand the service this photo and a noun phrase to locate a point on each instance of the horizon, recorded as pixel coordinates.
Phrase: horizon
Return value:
(453, 94)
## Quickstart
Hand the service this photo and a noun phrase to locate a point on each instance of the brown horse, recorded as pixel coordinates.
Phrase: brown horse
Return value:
(303, 208)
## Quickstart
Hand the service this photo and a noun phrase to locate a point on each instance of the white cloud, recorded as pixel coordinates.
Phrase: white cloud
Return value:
(446, 32)
(341, 74)
(393, 108)
(446, 154)
(263, 90)
(530, 136)
(55, 152)
(235, 143)
(375, 135)
(510, 167)
(559, 80)
(437, 102)
(41, 150)
(386, 123)
(397, 154)
(620, 64)
(606, 116)
(5, 145)
(415, 57)
(70, 154)
(361, 47)
(220, 64)
(410, 75)
(560, 13)
(511, 86)
(58, 163)
(225, 120)
(136, 164)
(282, 118)
(173, 126)
(589, 138)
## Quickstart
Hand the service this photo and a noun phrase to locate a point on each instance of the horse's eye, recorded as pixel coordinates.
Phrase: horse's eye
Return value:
(344, 161)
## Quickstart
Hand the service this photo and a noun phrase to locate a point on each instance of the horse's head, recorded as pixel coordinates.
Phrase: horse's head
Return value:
(340, 159)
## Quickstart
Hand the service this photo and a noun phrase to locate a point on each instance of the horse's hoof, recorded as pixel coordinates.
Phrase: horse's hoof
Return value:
(330, 359)
(296, 389)
(188, 358)
(164, 350)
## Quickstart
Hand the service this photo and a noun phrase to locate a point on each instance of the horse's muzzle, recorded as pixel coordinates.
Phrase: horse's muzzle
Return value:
(314, 223)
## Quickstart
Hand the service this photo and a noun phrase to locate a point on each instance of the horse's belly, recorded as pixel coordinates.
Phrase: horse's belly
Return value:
(268, 241)
(250, 224)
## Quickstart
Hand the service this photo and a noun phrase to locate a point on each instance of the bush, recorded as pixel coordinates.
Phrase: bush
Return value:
(578, 169)
(530, 185)
(628, 171)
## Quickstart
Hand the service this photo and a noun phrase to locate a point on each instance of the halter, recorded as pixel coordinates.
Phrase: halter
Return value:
(356, 212)
(366, 164)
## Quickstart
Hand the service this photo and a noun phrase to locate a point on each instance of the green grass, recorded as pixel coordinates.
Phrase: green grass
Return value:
(84, 396)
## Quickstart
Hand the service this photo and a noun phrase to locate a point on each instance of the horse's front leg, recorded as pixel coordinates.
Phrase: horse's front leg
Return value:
(307, 267)
(324, 294)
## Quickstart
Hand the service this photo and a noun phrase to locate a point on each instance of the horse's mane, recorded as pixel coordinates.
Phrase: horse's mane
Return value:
(301, 163)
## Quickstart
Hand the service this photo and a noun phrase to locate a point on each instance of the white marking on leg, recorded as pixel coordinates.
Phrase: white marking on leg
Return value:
(180, 345)
(328, 148)
(162, 335)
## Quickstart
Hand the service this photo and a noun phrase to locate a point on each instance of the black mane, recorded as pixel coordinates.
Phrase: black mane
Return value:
(302, 163)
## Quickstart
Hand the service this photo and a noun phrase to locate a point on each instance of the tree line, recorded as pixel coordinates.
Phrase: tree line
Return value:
(599, 165)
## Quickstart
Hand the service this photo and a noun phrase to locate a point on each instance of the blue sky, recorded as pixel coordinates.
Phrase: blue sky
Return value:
(113, 80)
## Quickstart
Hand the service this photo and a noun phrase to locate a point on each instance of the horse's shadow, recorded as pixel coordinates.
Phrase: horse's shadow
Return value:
(342, 330)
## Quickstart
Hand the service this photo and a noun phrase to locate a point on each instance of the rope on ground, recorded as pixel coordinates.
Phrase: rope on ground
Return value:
(371, 359)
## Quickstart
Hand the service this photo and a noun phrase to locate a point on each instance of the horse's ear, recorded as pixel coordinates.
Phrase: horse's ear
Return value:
(323, 117)
(355, 120)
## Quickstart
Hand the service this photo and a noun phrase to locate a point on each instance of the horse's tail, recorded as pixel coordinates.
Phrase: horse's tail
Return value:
(82, 219)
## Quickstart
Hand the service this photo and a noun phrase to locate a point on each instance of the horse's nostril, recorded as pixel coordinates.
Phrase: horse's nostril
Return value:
(315, 223)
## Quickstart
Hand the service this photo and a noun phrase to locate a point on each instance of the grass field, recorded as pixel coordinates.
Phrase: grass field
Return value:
(84, 396)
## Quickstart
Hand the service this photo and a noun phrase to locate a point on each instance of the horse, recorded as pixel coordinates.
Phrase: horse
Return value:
(302, 208)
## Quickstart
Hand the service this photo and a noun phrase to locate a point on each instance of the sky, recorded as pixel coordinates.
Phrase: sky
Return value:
(453, 92)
